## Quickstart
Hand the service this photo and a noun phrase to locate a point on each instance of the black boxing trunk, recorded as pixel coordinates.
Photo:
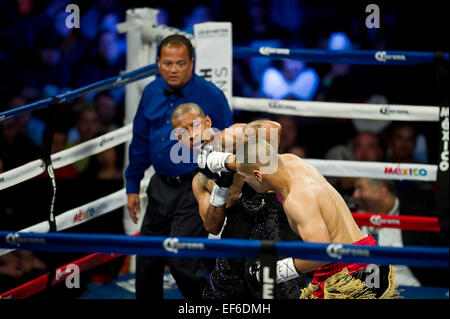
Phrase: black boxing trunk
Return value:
(261, 217)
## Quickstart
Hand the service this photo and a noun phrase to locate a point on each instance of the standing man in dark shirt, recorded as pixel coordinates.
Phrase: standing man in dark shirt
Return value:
(172, 208)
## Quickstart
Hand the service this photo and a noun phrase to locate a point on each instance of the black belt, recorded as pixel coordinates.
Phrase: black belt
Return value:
(177, 180)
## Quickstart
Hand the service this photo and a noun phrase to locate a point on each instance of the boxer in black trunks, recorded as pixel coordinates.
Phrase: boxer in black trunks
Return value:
(248, 215)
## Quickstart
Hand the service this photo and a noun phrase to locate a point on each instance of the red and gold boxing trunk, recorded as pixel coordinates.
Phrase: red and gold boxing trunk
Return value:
(334, 280)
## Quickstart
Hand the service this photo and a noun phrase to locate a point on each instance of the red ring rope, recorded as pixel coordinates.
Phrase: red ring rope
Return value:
(418, 223)
(39, 284)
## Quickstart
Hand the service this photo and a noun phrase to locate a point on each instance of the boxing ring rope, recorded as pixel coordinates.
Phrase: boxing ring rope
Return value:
(403, 222)
(437, 256)
(298, 108)
(155, 33)
(67, 156)
(337, 168)
(429, 257)
(109, 203)
(109, 83)
(364, 57)
(422, 172)
(393, 112)
(41, 283)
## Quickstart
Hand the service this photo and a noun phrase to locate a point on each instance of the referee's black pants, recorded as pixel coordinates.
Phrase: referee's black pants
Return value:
(171, 211)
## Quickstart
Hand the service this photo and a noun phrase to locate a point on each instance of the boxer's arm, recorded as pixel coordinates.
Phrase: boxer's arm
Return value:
(212, 217)
(241, 132)
(304, 213)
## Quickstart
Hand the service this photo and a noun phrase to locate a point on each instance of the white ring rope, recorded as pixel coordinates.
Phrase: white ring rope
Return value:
(379, 170)
(390, 112)
(84, 213)
(91, 147)
(66, 157)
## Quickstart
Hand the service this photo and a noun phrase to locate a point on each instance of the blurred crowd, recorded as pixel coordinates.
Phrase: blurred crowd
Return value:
(41, 57)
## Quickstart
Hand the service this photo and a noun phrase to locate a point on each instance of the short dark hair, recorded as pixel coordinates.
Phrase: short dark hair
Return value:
(186, 107)
(399, 125)
(389, 184)
(177, 39)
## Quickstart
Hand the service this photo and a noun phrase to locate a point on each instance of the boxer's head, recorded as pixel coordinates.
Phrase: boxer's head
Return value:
(192, 127)
(175, 60)
(256, 160)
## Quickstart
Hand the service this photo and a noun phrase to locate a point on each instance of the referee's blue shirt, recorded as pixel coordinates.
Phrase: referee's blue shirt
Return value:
(151, 142)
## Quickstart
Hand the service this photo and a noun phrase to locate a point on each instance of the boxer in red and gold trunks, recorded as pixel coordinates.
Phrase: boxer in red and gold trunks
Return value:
(315, 211)
(349, 281)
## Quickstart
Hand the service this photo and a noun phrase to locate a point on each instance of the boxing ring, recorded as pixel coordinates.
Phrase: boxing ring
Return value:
(143, 35)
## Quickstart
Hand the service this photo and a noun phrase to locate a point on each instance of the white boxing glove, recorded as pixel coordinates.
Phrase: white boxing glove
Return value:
(203, 155)
(216, 161)
(212, 160)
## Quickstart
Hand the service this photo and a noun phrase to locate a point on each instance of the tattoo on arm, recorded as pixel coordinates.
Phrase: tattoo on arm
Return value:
(211, 214)
(203, 181)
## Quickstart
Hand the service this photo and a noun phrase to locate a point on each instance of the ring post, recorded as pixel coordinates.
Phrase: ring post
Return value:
(139, 53)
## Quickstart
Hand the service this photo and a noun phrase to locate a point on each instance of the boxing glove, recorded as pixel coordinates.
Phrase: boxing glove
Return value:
(221, 189)
(210, 159)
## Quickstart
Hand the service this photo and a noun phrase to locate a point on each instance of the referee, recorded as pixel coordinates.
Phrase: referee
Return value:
(172, 208)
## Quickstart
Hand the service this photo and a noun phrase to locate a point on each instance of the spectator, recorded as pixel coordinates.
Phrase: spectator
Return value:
(49, 68)
(72, 46)
(87, 127)
(260, 25)
(95, 16)
(15, 148)
(287, 14)
(379, 196)
(199, 14)
(106, 108)
(402, 143)
(105, 166)
(109, 165)
(364, 146)
(402, 146)
(107, 60)
(28, 125)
